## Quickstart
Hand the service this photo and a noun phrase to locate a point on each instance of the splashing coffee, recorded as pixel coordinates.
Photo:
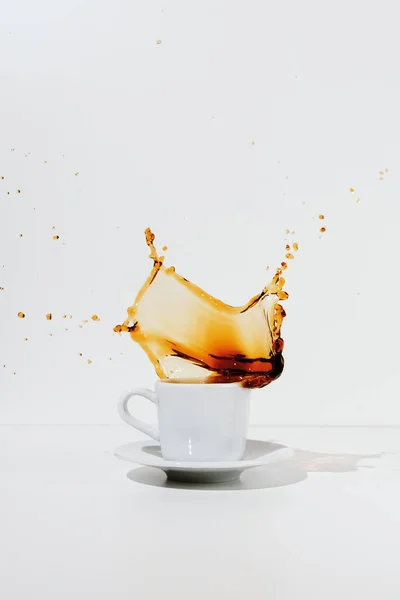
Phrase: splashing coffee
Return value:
(190, 336)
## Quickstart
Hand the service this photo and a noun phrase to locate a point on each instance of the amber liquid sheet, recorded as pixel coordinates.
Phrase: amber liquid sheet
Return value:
(190, 336)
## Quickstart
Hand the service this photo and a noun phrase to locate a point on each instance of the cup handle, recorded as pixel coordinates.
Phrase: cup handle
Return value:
(150, 430)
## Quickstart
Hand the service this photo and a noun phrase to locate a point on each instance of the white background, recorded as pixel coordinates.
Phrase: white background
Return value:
(161, 135)
(80, 524)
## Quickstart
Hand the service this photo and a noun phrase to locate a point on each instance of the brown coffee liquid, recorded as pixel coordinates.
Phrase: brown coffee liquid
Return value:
(190, 336)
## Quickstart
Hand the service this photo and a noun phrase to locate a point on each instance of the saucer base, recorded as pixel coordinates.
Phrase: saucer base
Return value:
(258, 453)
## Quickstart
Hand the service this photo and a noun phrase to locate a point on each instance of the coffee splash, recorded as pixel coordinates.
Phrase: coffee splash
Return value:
(190, 336)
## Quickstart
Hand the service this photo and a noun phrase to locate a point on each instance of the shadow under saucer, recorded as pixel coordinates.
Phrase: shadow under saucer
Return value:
(257, 478)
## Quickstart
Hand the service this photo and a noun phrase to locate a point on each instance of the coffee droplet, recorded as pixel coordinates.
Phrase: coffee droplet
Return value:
(49, 316)
(56, 237)
(21, 315)
(323, 229)
(321, 217)
(295, 246)
(289, 256)
(89, 361)
(95, 318)
(158, 42)
(352, 190)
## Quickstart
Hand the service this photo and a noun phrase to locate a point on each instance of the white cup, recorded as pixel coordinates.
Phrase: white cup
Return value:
(196, 421)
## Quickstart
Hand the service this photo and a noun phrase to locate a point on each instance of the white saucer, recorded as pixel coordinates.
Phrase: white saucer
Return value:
(258, 453)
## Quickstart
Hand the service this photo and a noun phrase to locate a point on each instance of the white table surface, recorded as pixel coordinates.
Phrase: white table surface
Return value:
(77, 523)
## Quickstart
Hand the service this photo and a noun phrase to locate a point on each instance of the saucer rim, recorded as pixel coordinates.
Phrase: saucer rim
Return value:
(142, 459)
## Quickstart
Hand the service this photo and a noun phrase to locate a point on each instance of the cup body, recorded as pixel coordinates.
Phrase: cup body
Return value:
(202, 421)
